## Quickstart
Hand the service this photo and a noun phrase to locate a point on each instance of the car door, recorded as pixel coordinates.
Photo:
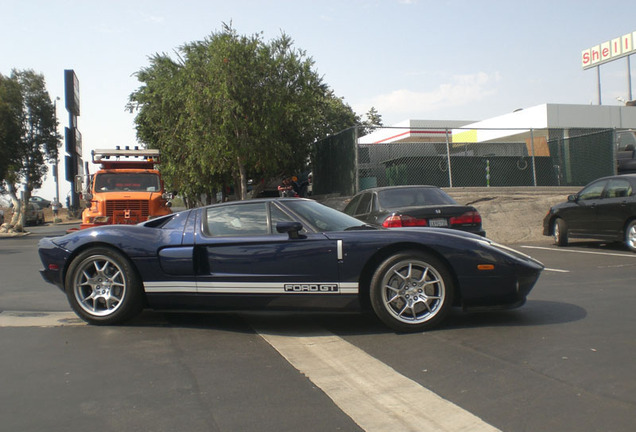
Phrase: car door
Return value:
(240, 252)
(614, 209)
(582, 216)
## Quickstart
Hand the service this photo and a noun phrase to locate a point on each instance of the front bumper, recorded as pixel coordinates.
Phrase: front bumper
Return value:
(54, 260)
(507, 286)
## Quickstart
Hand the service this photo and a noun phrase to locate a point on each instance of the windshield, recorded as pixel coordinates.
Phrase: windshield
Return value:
(134, 182)
(322, 217)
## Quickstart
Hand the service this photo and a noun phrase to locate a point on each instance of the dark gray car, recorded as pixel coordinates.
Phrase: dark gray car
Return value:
(409, 206)
(604, 210)
(34, 214)
(42, 202)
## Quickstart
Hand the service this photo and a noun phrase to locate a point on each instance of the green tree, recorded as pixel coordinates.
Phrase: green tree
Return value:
(233, 108)
(10, 126)
(33, 143)
(373, 121)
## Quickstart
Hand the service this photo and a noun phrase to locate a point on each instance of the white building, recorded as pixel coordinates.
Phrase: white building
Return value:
(514, 126)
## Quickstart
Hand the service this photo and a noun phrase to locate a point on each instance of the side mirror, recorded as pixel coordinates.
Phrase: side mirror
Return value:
(573, 198)
(78, 184)
(291, 228)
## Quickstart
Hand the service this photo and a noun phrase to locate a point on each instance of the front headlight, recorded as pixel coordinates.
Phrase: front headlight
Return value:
(509, 251)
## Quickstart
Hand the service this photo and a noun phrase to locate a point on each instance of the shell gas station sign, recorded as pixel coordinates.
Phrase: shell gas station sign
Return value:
(608, 51)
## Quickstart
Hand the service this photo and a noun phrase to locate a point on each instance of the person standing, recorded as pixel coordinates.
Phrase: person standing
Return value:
(55, 206)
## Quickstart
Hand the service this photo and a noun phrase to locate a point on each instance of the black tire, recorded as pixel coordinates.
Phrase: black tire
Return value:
(560, 232)
(630, 236)
(412, 291)
(102, 287)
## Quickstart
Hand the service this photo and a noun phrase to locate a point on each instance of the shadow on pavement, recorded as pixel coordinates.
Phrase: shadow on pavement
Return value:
(533, 313)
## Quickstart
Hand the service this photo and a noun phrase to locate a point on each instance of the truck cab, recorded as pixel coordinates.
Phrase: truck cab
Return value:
(127, 188)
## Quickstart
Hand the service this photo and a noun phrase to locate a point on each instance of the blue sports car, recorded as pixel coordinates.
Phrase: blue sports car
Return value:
(285, 254)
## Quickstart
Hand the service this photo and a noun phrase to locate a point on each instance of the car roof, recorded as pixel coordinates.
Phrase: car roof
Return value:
(259, 200)
(631, 176)
(383, 188)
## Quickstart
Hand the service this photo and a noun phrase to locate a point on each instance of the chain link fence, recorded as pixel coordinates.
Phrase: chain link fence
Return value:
(355, 159)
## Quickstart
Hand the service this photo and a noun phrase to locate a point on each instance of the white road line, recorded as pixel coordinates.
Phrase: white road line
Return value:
(373, 394)
(39, 319)
(556, 270)
(580, 251)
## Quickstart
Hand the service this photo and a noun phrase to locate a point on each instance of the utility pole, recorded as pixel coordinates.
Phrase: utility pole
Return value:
(57, 158)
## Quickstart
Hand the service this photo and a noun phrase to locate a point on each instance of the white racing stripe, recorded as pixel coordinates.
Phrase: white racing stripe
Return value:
(280, 288)
(39, 319)
(373, 394)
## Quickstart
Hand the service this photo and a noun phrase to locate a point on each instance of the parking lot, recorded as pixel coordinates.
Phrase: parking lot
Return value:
(562, 362)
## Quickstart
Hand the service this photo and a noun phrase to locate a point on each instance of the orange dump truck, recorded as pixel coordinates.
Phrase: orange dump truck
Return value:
(127, 189)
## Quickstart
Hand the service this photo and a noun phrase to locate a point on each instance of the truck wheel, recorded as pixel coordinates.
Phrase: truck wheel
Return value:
(102, 287)
(412, 291)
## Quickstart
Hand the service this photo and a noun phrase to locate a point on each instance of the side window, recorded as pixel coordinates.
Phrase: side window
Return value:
(350, 209)
(593, 191)
(237, 220)
(277, 215)
(617, 188)
(364, 205)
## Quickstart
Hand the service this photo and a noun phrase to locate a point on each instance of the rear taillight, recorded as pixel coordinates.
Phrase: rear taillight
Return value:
(468, 218)
(397, 221)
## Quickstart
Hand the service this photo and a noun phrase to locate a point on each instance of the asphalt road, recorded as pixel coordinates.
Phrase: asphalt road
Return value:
(563, 362)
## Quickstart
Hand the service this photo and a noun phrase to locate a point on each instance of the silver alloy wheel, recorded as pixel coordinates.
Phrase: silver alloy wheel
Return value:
(413, 291)
(99, 285)
(630, 236)
(557, 233)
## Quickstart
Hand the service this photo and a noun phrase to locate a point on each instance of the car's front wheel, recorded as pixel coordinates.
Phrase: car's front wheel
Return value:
(560, 232)
(102, 287)
(412, 291)
(630, 236)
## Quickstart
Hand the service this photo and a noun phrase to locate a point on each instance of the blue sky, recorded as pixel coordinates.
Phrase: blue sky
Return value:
(410, 59)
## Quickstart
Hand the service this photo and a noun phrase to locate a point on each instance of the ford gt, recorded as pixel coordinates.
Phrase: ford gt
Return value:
(283, 254)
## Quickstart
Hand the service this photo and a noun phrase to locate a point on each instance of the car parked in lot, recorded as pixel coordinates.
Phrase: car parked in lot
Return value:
(43, 203)
(410, 206)
(283, 253)
(34, 214)
(603, 210)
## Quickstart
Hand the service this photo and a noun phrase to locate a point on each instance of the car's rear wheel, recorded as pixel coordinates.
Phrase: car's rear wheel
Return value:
(102, 287)
(630, 236)
(412, 291)
(560, 232)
